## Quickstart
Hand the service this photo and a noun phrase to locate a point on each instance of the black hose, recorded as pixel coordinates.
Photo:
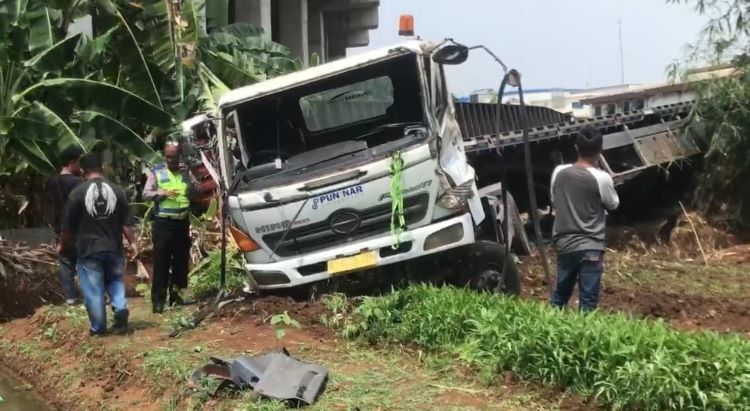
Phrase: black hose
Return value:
(528, 172)
(504, 173)
(223, 260)
(530, 183)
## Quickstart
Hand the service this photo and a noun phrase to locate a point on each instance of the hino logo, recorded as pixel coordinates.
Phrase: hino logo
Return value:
(345, 222)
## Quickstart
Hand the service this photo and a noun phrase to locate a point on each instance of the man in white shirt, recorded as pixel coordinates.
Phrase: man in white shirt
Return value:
(580, 194)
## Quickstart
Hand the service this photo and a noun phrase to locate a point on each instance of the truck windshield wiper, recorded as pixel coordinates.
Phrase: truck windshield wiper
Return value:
(380, 128)
(324, 154)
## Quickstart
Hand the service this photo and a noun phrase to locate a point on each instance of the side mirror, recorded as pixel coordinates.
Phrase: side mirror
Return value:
(451, 54)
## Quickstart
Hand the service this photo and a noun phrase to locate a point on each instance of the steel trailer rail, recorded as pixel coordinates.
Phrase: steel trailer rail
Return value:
(633, 142)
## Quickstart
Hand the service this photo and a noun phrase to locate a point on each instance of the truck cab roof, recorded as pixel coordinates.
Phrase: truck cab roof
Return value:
(296, 78)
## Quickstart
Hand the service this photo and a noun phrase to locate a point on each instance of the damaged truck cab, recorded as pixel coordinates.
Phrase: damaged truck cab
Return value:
(321, 164)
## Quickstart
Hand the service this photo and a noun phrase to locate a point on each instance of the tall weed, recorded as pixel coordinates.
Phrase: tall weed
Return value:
(624, 362)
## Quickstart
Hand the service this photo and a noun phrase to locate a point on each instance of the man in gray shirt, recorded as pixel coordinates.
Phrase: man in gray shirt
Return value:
(580, 194)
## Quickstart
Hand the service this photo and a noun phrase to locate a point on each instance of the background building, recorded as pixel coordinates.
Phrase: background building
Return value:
(325, 28)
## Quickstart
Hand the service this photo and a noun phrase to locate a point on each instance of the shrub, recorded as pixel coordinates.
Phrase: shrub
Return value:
(624, 362)
(205, 278)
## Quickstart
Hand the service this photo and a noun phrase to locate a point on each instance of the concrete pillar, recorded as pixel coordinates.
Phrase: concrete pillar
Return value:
(255, 12)
(293, 27)
(316, 33)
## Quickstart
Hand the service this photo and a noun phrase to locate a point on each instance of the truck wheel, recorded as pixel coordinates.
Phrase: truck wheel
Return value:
(489, 269)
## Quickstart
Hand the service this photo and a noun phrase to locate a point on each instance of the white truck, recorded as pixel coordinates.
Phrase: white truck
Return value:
(320, 164)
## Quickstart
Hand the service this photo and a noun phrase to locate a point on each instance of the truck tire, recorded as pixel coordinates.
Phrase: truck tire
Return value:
(488, 268)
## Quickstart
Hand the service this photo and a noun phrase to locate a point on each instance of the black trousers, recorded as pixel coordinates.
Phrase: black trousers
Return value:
(171, 257)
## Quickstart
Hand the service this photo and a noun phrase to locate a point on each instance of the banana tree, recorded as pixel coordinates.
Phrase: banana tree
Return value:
(191, 69)
(44, 105)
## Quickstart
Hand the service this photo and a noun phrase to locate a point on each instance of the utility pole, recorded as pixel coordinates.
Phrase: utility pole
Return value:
(622, 58)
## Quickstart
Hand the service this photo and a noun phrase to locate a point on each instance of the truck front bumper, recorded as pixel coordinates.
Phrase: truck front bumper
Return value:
(309, 268)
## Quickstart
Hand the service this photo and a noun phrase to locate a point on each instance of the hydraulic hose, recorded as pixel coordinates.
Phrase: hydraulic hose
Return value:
(513, 76)
(223, 261)
(504, 172)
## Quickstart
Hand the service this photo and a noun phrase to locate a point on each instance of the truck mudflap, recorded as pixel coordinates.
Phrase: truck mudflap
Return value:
(365, 254)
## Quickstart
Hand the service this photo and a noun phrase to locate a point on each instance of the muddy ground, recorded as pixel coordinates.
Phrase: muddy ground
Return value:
(147, 369)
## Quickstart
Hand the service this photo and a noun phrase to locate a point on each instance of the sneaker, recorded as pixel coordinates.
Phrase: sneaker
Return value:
(157, 308)
(120, 323)
(70, 301)
(93, 333)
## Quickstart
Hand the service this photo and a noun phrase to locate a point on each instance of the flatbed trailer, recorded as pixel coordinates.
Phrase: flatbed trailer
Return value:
(633, 142)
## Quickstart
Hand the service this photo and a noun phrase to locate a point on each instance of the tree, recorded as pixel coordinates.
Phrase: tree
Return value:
(723, 107)
(48, 101)
(150, 65)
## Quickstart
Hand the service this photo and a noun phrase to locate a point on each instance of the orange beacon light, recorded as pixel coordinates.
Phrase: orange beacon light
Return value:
(406, 25)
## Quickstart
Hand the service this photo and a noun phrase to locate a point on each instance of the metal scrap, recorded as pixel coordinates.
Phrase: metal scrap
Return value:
(275, 375)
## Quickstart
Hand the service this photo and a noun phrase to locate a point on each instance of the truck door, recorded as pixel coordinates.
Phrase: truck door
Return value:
(454, 165)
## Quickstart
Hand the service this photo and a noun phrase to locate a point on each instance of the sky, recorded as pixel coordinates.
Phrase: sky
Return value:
(553, 43)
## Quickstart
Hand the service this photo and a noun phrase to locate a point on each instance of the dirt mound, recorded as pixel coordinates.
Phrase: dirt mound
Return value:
(675, 234)
(263, 308)
(690, 312)
(28, 279)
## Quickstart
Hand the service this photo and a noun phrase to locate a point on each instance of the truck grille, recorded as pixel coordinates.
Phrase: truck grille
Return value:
(318, 236)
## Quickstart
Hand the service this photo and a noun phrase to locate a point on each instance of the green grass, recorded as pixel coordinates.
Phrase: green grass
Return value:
(391, 378)
(167, 366)
(625, 363)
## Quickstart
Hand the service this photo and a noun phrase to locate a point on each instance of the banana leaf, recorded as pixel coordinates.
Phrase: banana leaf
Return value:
(104, 97)
(136, 74)
(57, 57)
(193, 14)
(114, 131)
(90, 51)
(41, 23)
(159, 27)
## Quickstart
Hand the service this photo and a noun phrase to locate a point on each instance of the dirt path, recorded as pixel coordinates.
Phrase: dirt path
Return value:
(147, 370)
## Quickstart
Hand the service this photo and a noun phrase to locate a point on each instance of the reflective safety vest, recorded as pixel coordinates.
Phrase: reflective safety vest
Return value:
(177, 207)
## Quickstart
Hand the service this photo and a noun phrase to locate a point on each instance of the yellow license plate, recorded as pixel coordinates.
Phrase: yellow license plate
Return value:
(355, 262)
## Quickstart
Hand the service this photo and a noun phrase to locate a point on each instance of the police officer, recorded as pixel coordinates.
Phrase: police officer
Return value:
(171, 188)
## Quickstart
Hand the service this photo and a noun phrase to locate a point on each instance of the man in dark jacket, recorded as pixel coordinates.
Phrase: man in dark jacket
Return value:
(58, 188)
(97, 215)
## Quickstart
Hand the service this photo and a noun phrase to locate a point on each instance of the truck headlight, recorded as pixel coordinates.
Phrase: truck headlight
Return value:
(457, 198)
(452, 202)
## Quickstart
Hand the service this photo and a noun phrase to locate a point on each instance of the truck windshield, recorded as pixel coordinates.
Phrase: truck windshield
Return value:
(350, 104)
(363, 105)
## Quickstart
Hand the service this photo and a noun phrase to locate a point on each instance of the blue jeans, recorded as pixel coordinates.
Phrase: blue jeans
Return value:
(67, 276)
(100, 272)
(584, 267)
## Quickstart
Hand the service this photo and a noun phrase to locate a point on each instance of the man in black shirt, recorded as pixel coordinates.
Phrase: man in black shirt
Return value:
(97, 215)
(58, 189)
